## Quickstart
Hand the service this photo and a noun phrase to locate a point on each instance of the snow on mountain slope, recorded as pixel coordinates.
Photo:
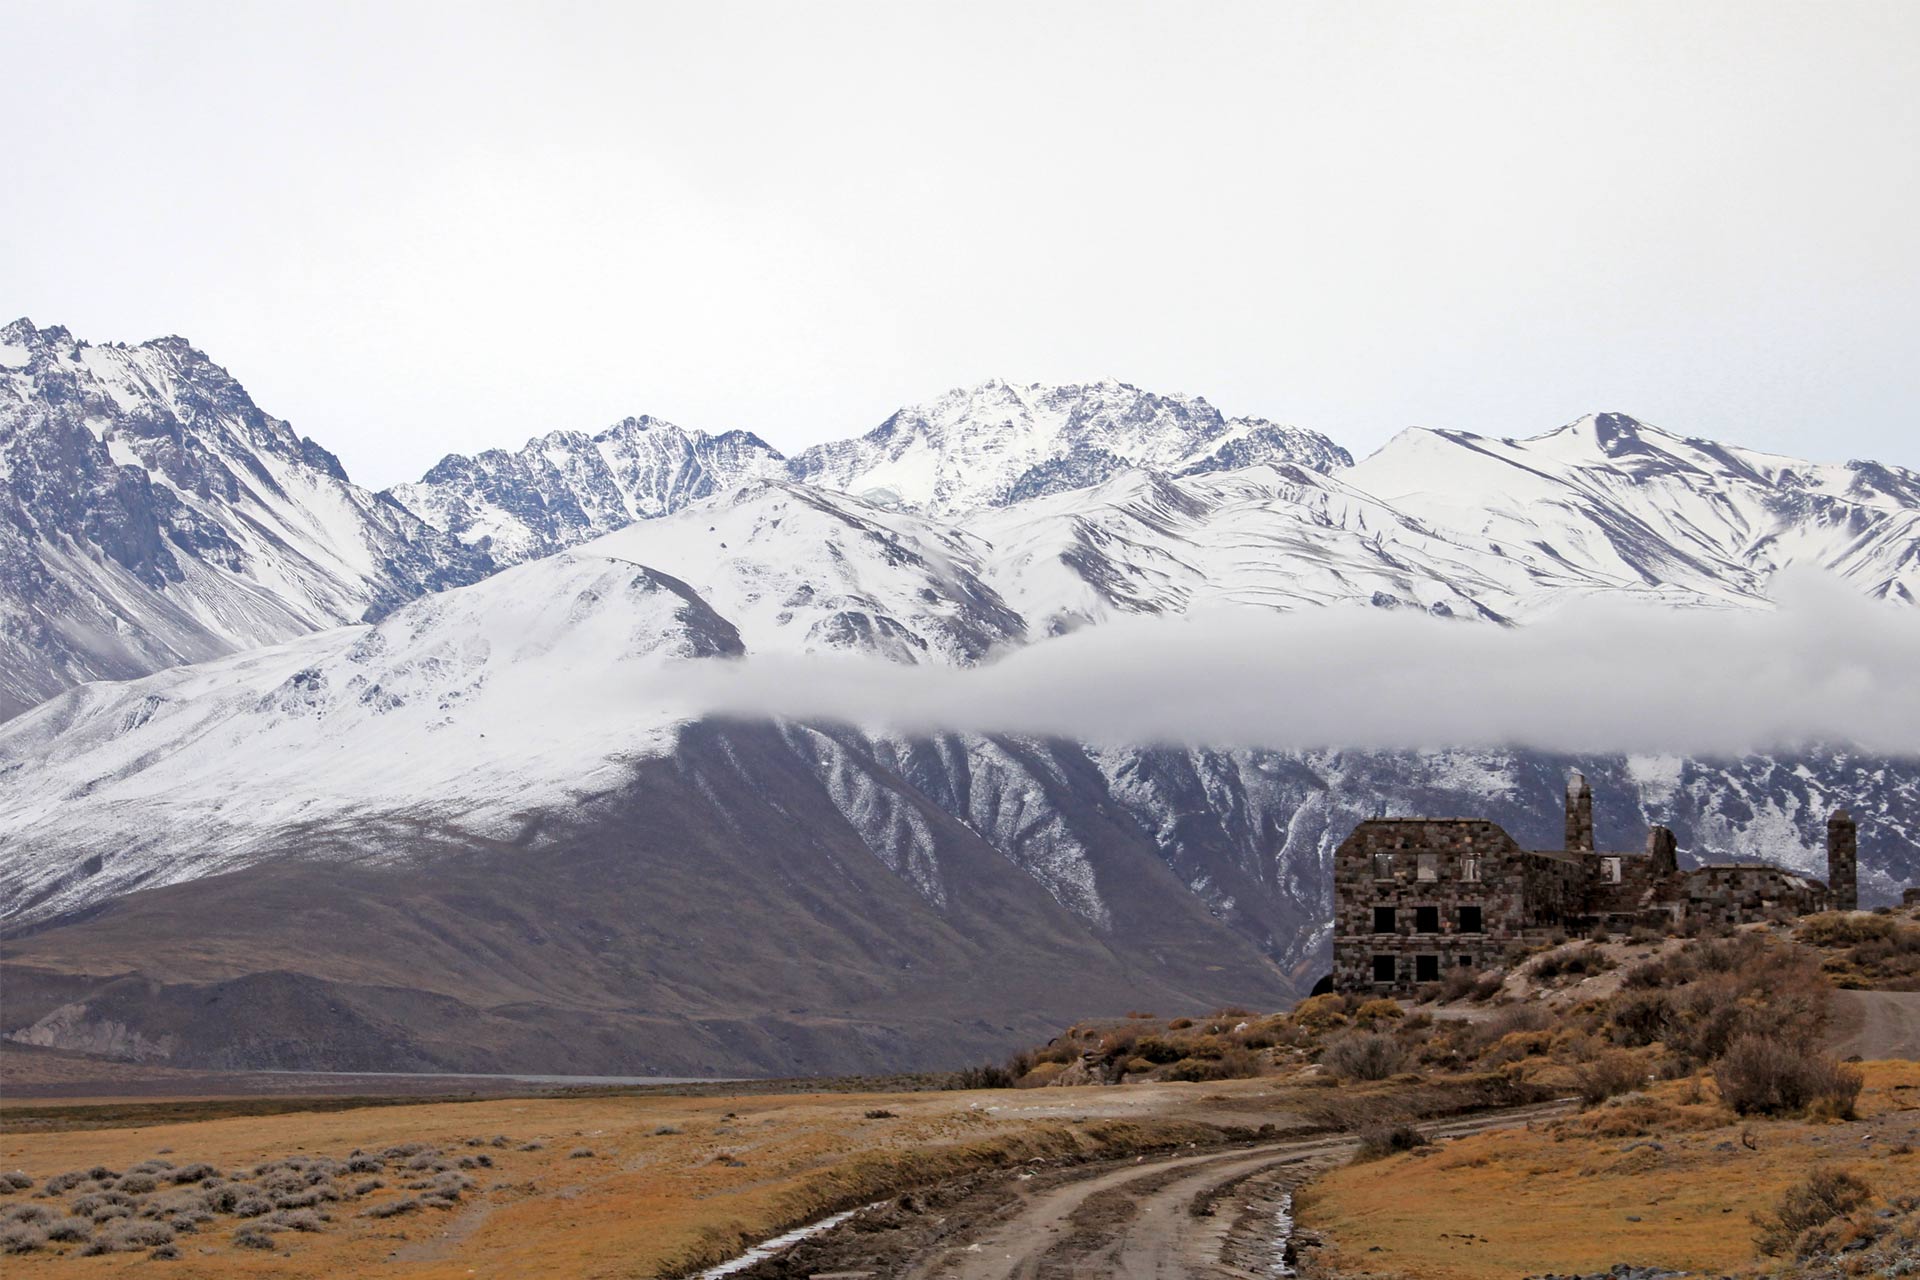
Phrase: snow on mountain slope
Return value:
(566, 487)
(1613, 501)
(1264, 537)
(997, 443)
(151, 514)
(803, 570)
(488, 703)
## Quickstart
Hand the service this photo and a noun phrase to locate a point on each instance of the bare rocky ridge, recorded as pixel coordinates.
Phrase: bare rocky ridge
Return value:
(151, 514)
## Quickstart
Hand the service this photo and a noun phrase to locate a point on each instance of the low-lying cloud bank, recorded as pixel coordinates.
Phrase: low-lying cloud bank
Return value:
(1825, 666)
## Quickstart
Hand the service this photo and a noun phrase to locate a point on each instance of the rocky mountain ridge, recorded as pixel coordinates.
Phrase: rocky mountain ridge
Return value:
(151, 514)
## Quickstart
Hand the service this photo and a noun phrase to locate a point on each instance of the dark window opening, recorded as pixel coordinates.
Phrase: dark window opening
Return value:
(1426, 968)
(1383, 968)
(1466, 962)
(1470, 920)
(1383, 920)
(1426, 919)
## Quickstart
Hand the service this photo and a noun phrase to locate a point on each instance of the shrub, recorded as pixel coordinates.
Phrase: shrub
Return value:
(987, 1077)
(1571, 962)
(128, 1235)
(367, 1186)
(15, 1181)
(1608, 1075)
(192, 1173)
(1456, 984)
(1364, 1055)
(1843, 928)
(1826, 1194)
(880, 1113)
(251, 1206)
(1375, 1012)
(253, 1238)
(1045, 1073)
(1157, 1050)
(1380, 1141)
(391, 1208)
(1233, 1063)
(1640, 1017)
(580, 1153)
(1766, 1076)
(297, 1220)
(70, 1229)
(1321, 1013)
(22, 1237)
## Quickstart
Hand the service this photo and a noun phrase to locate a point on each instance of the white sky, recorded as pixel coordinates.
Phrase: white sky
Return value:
(412, 228)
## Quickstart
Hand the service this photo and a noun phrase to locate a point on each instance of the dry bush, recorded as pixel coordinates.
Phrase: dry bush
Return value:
(1843, 928)
(1764, 1076)
(1157, 1050)
(22, 1237)
(1320, 1013)
(1455, 984)
(1634, 1117)
(391, 1208)
(1826, 1194)
(1233, 1063)
(253, 1238)
(70, 1229)
(1637, 1017)
(1572, 962)
(1364, 1055)
(15, 1181)
(1380, 1141)
(986, 1077)
(1609, 1075)
(1372, 1014)
(127, 1235)
(1045, 1073)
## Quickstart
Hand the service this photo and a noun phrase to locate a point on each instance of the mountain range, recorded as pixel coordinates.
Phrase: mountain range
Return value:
(399, 780)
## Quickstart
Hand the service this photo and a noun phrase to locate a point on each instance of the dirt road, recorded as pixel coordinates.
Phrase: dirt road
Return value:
(1211, 1214)
(1877, 1024)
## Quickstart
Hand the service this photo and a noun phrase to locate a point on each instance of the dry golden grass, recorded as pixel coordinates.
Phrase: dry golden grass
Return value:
(645, 1203)
(1579, 1197)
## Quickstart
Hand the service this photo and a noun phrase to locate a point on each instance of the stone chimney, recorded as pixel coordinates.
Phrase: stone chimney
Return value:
(1579, 814)
(1843, 843)
(1663, 851)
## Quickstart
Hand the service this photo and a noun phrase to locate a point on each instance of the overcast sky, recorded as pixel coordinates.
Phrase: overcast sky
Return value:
(412, 228)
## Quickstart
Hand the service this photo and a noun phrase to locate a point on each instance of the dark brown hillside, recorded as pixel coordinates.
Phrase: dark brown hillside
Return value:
(718, 916)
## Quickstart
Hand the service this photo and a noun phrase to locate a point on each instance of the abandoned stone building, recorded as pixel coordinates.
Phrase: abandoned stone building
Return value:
(1413, 897)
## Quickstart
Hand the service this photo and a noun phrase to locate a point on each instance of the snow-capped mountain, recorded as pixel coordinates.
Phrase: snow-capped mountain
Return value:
(489, 827)
(998, 443)
(152, 514)
(566, 487)
(1612, 500)
(985, 447)
(489, 830)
